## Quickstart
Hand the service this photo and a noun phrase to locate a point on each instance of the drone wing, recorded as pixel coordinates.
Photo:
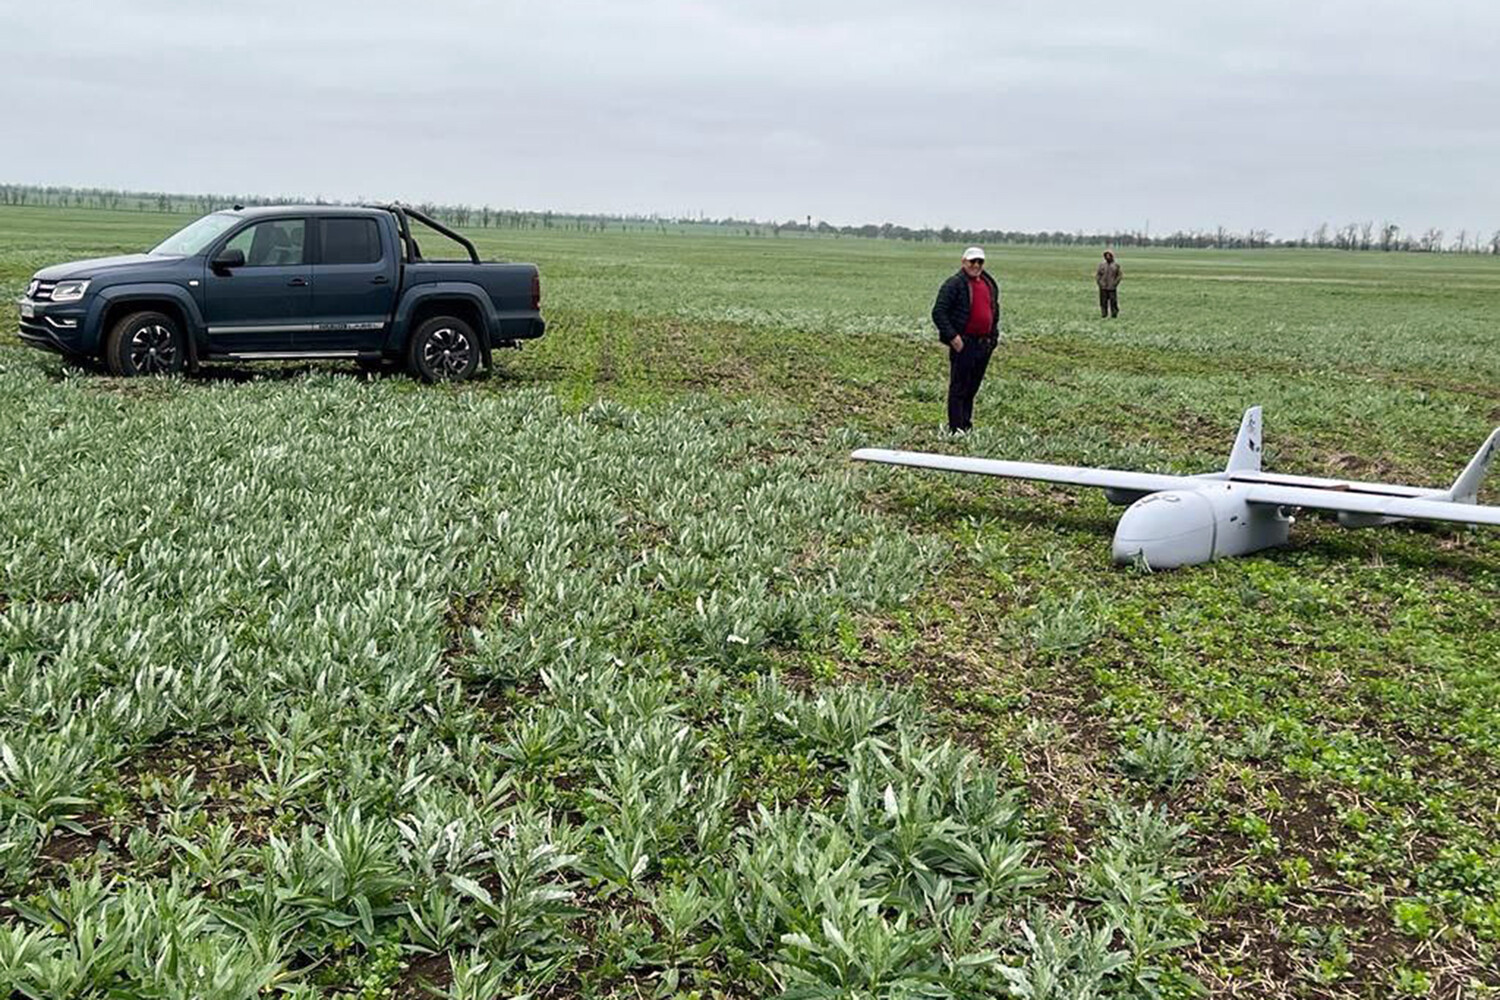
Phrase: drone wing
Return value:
(1372, 503)
(1341, 485)
(1110, 479)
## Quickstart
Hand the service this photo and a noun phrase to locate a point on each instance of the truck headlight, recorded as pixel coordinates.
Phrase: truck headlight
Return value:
(69, 291)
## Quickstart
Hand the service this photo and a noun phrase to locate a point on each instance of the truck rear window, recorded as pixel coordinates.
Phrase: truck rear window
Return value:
(349, 241)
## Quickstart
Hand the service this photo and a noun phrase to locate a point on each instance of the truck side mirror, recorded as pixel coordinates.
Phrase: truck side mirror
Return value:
(229, 257)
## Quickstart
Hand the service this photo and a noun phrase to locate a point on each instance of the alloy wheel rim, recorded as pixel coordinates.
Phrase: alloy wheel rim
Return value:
(447, 353)
(153, 349)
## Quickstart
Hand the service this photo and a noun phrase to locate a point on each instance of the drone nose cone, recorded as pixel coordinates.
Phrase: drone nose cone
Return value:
(1173, 528)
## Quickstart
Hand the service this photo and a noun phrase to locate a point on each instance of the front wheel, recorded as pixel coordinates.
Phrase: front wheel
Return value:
(145, 343)
(443, 349)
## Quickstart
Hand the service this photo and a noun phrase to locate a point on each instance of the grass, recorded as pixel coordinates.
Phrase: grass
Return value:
(608, 676)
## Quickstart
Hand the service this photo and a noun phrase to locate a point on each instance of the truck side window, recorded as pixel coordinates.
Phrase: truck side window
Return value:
(349, 241)
(274, 243)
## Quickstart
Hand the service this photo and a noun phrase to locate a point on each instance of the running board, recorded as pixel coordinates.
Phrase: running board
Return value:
(287, 356)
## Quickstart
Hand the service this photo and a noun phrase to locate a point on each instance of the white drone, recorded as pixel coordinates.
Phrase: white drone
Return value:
(1186, 520)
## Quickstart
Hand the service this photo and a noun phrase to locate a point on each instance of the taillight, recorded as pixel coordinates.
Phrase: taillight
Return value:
(536, 290)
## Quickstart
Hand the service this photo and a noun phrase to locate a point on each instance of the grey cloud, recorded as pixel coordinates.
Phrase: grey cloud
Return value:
(1019, 115)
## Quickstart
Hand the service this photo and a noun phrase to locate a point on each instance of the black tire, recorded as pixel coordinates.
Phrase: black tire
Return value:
(443, 349)
(145, 343)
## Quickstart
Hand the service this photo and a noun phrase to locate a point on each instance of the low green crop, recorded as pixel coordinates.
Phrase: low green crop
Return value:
(610, 676)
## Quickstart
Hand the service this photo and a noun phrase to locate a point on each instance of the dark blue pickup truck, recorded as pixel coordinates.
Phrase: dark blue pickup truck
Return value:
(293, 282)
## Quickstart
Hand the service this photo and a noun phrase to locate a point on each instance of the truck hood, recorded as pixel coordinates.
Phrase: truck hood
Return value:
(92, 268)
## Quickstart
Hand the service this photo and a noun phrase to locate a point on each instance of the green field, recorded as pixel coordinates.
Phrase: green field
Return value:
(609, 676)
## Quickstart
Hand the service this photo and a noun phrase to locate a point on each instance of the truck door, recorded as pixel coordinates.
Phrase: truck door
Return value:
(259, 308)
(354, 286)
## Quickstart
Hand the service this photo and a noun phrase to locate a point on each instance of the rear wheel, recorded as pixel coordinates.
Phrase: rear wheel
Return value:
(443, 349)
(145, 343)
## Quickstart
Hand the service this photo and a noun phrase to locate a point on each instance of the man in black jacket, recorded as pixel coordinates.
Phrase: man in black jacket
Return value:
(967, 315)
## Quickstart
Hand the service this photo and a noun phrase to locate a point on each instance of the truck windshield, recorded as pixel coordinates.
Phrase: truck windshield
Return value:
(193, 238)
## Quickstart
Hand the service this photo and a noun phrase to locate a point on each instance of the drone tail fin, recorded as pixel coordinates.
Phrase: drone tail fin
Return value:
(1466, 486)
(1246, 454)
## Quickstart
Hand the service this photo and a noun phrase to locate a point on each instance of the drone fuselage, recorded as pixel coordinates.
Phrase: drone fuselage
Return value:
(1191, 526)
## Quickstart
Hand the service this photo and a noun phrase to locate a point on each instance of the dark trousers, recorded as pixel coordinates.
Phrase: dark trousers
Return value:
(965, 372)
(1109, 302)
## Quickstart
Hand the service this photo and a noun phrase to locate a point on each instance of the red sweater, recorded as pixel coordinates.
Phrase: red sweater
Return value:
(981, 309)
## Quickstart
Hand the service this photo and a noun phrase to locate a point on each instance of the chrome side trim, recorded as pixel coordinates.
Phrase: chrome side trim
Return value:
(298, 328)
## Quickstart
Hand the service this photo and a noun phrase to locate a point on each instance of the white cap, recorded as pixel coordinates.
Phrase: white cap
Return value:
(974, 253)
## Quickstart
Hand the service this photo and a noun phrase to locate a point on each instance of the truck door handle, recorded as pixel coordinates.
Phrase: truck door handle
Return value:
(380, 279)
(298, 283)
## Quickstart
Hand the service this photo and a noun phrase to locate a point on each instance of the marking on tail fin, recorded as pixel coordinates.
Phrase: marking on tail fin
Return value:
(1246, 454)
(1466, 486)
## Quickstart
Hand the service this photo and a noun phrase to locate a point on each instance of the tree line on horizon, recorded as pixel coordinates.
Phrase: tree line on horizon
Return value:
(1356, 236)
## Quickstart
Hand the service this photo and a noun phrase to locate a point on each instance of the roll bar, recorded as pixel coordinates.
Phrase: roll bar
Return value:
(403, 212)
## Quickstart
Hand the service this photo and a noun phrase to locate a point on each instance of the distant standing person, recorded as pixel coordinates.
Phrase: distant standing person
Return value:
(967, 315)
(1108, 279)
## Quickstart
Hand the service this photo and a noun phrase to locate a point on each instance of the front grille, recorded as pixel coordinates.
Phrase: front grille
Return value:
(43, 291)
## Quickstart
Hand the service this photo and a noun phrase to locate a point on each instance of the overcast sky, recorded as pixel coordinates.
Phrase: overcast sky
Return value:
(1016, 115)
